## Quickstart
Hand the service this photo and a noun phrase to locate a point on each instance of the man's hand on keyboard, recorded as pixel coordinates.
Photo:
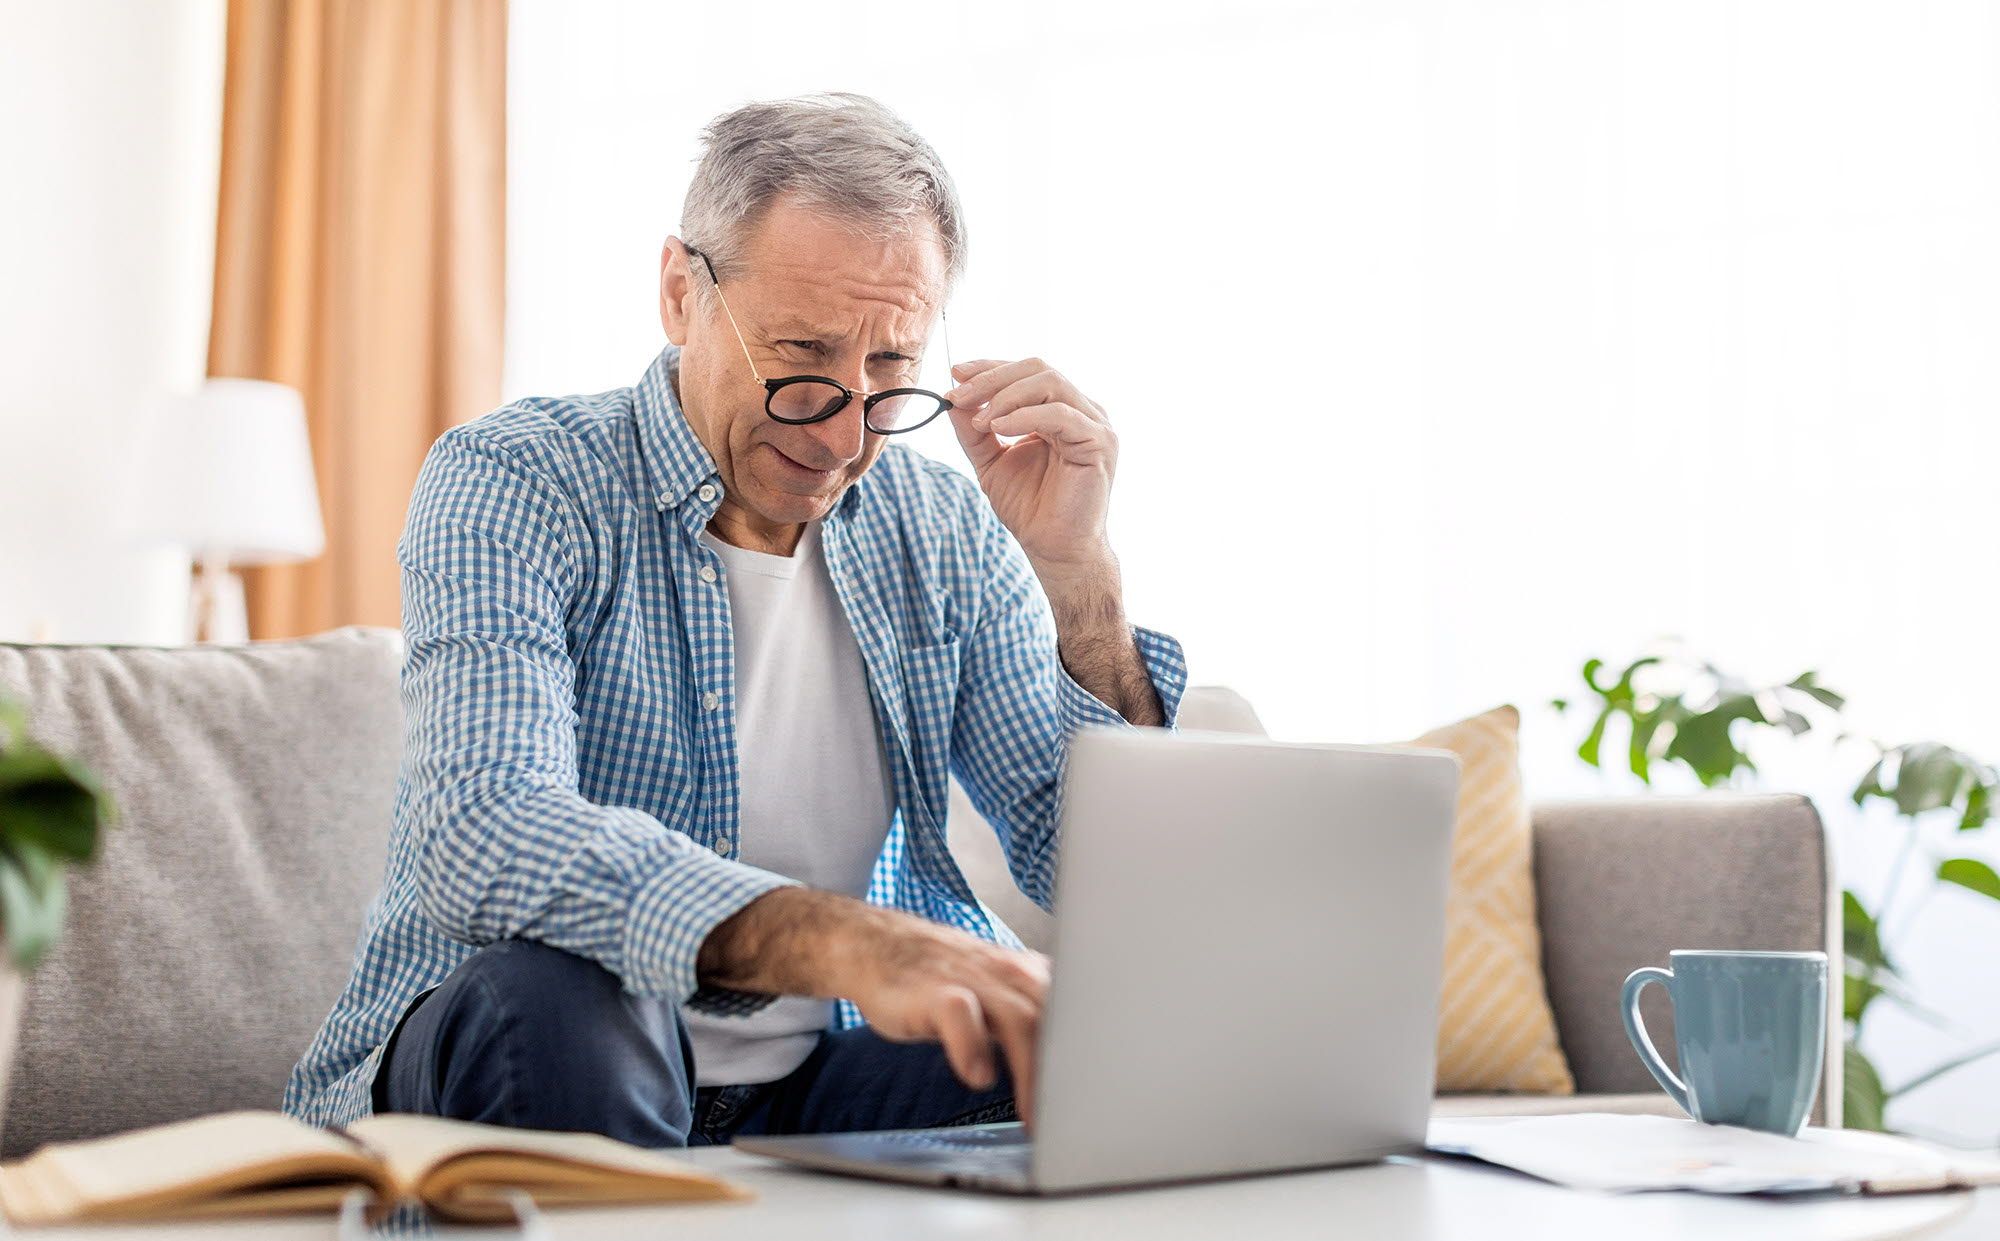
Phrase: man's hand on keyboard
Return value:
(912, 979)
(920, 980)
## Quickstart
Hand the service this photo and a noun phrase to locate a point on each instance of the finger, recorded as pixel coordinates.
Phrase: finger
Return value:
(1027, 972)
(1075, 437)
(981, 447)
(961, 1027)
(979, 388)
(1042, 388)
(963, 371)
(1015, 1025)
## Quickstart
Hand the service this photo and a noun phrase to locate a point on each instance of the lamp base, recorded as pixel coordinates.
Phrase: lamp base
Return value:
(216, 612)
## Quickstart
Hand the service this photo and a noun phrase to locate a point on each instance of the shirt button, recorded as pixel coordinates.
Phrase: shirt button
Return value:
(706, 491)
(722, 846)
(711, 700)
(707, 573)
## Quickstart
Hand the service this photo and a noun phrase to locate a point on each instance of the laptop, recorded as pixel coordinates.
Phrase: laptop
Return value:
(1249, 946)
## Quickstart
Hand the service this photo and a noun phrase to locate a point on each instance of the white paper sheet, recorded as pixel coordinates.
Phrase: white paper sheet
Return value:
(1624, 1154)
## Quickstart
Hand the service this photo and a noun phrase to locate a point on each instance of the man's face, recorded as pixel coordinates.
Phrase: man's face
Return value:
(811, 298)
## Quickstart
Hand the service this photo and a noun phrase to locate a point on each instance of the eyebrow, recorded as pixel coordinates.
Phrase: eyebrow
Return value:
(800, 329)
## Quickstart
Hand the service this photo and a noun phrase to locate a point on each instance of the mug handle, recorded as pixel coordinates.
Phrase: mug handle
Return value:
(1635, 1029)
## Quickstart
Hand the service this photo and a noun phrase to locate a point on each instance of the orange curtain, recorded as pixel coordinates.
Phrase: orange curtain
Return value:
(360, 259)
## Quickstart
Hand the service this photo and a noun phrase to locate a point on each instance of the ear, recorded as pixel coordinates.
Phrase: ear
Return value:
(677, 305)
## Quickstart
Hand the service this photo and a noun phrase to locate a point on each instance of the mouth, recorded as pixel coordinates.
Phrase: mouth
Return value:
(803, 473)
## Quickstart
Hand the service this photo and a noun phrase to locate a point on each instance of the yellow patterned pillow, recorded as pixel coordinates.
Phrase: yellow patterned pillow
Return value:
(1496, 1031)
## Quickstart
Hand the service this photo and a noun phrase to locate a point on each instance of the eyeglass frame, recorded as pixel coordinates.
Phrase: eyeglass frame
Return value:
(868, 399)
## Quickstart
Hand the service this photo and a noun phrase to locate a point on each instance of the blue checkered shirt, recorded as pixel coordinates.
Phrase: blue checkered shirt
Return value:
(569, 748)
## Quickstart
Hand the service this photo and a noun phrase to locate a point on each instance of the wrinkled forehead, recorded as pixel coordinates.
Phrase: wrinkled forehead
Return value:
(813, 275)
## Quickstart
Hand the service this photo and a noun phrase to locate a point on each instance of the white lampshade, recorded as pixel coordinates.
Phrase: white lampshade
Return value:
(233, 480)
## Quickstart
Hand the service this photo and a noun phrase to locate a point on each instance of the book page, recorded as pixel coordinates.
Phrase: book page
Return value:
(458, 1165)
(150, 1170)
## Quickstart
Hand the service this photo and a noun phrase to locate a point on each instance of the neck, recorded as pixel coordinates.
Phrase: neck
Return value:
(739, 528)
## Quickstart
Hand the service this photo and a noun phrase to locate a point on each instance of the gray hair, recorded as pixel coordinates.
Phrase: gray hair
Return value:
(841, 153)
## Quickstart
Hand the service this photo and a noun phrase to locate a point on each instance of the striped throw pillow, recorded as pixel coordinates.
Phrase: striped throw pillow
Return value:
(1496, 1031)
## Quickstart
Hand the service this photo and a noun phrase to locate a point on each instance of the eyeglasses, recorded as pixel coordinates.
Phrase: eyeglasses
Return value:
(800, 399)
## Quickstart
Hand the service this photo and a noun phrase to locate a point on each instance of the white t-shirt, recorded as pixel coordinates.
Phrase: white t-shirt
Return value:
(816, 792)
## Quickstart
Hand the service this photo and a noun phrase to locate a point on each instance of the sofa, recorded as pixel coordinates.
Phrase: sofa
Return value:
(254, 785)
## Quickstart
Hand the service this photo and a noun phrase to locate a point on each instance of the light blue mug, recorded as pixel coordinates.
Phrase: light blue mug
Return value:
(1751, 1030)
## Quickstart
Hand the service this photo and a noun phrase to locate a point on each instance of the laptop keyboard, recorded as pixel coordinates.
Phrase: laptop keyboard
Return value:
(969, 1137)
(995, 1152)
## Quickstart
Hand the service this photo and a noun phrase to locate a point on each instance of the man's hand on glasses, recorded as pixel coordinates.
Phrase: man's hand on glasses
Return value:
(1052, 486)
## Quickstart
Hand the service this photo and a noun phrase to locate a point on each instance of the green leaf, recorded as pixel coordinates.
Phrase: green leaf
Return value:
(1645, 728)
(1560, 704)
(1619, 693)
(1871, 782)
(1857, 927)
(1978, 808)
(1858, 991)
(1862, 1098)
(32, 900)
(1808, 683)
(1631, 673)
(1971, 873)
(1594, 739)
(1704, 742)
(1861, 939)
(44, 800)
(1928, 776)
(1688, 715)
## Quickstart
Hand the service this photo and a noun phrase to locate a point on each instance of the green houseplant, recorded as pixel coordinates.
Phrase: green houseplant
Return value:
(1689, 713)
(51, 813)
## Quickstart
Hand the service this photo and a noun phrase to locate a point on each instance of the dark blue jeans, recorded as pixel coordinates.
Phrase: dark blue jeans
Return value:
(530, 1036)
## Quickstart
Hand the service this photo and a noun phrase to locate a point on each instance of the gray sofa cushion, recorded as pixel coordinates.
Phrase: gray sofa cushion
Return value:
(206, 945)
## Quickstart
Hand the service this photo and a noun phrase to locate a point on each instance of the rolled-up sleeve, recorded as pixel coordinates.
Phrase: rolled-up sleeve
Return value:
(1018, 708)
(507, 845)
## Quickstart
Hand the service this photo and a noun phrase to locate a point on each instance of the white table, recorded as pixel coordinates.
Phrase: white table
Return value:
(1417, 1199)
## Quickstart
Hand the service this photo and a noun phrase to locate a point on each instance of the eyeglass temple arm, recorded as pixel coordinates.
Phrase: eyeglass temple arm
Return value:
(740, 342)
(950, 371)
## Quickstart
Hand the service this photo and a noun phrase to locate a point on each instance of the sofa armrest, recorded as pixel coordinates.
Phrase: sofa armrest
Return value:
(1621, 883)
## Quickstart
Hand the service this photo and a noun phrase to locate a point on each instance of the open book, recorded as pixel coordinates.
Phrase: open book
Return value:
(248, 1163)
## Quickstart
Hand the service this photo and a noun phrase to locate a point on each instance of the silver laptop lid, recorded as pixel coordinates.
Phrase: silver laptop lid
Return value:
(1248, 954)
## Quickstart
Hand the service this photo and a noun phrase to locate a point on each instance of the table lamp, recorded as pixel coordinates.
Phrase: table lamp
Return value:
(238, 490)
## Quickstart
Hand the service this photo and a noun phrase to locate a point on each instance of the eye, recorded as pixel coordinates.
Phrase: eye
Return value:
(895, 357)
(811, 346)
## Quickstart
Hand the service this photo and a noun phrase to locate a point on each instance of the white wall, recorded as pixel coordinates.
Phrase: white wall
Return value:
(1450, 341)
(109, 145)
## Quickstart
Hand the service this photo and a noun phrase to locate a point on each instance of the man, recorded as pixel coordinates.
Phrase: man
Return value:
(689, 665)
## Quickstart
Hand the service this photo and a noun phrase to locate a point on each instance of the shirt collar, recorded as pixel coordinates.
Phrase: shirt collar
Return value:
(677, 464)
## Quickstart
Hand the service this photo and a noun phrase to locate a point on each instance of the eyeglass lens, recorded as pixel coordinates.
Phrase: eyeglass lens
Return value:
(810, 400)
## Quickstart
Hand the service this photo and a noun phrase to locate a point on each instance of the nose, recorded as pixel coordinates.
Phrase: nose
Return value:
(839, 439)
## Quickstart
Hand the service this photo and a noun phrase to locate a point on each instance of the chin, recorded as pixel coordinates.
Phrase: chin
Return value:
(789, 508)
(775, 493)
